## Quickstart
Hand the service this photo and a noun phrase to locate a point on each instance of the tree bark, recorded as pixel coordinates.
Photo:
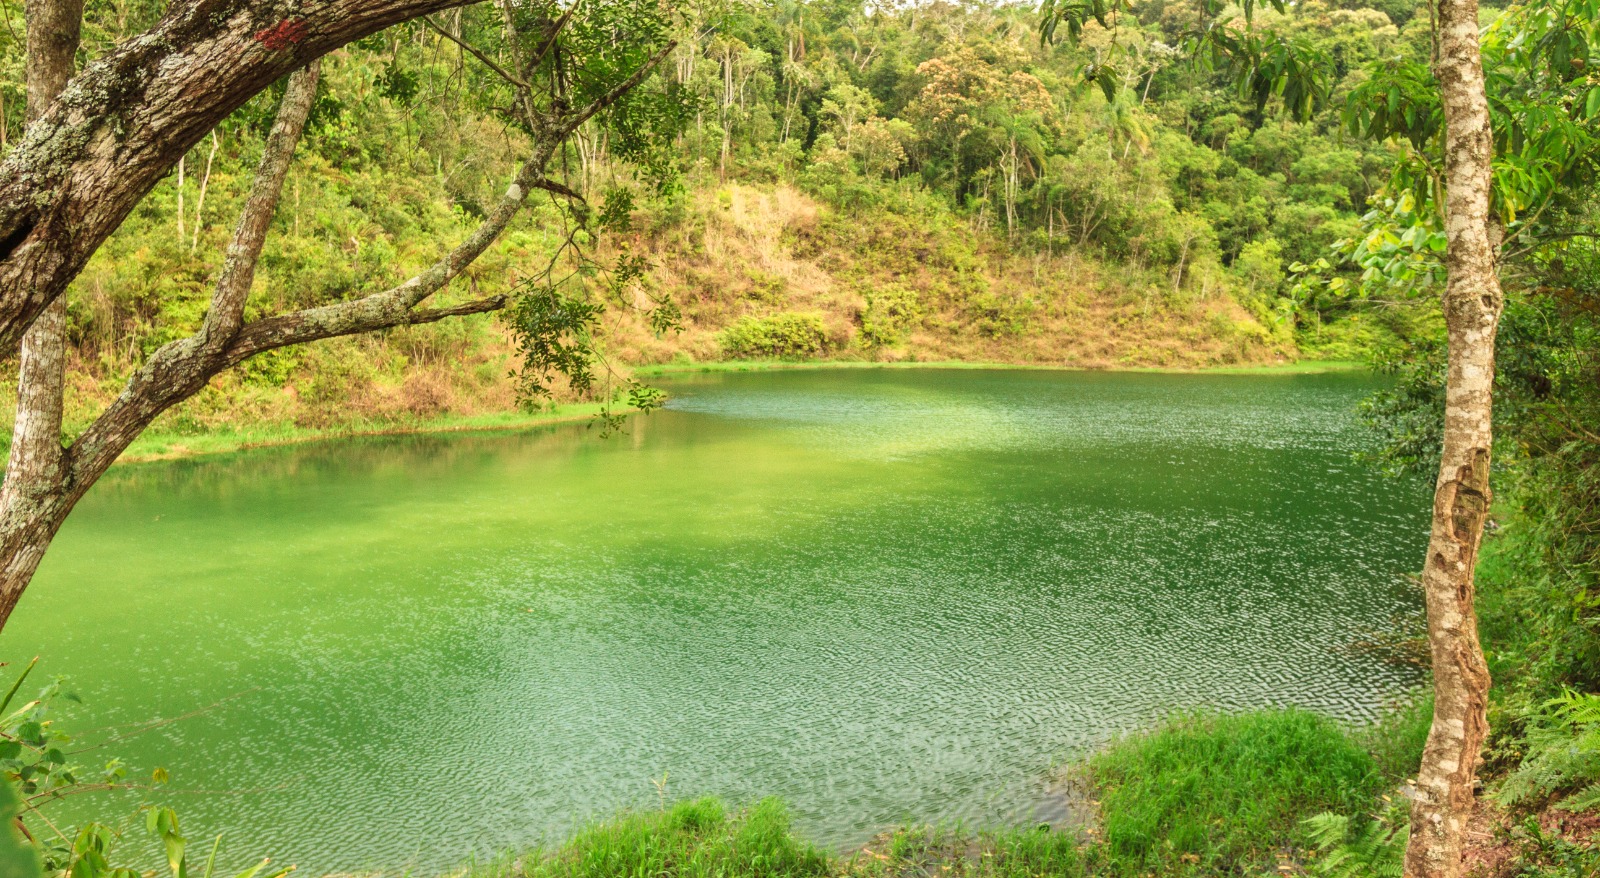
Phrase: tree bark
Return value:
(1443, 799)
(115, 129)
(43, 480)
(34, 467)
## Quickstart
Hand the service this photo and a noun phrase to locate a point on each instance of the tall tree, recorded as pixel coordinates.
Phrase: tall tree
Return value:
(1443, 801)
(36, 455)
(1267, 65)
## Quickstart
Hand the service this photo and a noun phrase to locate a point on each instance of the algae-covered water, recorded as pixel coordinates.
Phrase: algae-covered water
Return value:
(882, 595)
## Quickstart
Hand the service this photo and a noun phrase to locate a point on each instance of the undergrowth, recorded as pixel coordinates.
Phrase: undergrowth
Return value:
(691, 839)
(1224, 795)
(1203, 795)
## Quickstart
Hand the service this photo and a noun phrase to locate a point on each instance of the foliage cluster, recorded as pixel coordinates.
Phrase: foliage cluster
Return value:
(779, 336)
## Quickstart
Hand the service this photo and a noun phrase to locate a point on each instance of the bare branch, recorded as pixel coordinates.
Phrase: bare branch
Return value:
(550, 39)
(561, 190)
(239, 269)
(476, 306)
(368, 314)
(487, 61)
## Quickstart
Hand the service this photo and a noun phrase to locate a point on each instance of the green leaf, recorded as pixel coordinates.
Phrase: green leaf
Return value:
(18, 859)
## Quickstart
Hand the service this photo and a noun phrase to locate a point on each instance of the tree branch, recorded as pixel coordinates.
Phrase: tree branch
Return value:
(239, 269)
(550, 39)
(122, 123)
(553, 187)
(487, 62)
(476, 306)
(572, 123)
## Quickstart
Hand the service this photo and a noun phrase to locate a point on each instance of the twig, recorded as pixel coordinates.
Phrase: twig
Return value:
(156, 724)
(487, 62)
(621, 89)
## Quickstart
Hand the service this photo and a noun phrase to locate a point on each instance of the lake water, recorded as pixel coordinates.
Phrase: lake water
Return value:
(881, 594)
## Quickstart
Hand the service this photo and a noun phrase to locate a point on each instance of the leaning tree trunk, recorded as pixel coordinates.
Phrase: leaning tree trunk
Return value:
(35, 472)
(120, 125)
(44, 480)
(1443, 800)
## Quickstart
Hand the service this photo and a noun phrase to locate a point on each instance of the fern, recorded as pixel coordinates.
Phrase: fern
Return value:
(1563, 755)
(1372, 848)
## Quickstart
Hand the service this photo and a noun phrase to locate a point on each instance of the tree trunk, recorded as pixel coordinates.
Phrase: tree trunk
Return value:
(182, 211)
(200, 199)
(1443, 800)
(34, 468)
(120, 125)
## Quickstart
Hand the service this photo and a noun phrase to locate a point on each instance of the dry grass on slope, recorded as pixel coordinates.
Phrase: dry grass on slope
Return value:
(895, 286)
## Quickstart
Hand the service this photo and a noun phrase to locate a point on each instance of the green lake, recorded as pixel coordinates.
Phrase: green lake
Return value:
(881, 594)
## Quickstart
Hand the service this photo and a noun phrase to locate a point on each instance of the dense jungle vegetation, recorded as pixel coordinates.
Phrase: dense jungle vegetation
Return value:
(932, 182)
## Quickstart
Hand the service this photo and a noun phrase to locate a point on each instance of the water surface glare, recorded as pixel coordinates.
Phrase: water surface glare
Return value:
(882, 595)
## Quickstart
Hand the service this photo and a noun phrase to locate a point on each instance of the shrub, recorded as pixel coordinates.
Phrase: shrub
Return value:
(891, 310)
(1365, 848)
(689, 840)
(1563, 741)
(996, 315)
(784, 336)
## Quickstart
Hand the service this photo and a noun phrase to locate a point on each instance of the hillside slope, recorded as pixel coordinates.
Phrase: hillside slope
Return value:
(915, 282)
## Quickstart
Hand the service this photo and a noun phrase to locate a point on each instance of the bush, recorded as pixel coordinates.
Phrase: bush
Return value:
(689, 840)
(891, 310)
(1563, 757)
(784, 336)
(995, 315)
(1219, 794)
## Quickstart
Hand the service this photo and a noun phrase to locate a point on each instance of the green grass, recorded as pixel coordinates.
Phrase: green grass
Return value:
(1302, 367)
(693, 839)
(1396, 740)
(1203, 796)
(164, 446)
(1221, 795)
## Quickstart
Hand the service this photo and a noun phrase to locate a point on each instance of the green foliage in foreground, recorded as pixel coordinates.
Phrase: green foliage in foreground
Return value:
(1225, 793)
(1352, 848)
(692, 839)
(1204, 795)
(1563, 744)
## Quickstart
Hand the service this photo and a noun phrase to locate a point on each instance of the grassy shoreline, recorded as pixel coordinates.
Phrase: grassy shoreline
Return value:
(1198, 796)
(1299, 367)
(157, 446)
